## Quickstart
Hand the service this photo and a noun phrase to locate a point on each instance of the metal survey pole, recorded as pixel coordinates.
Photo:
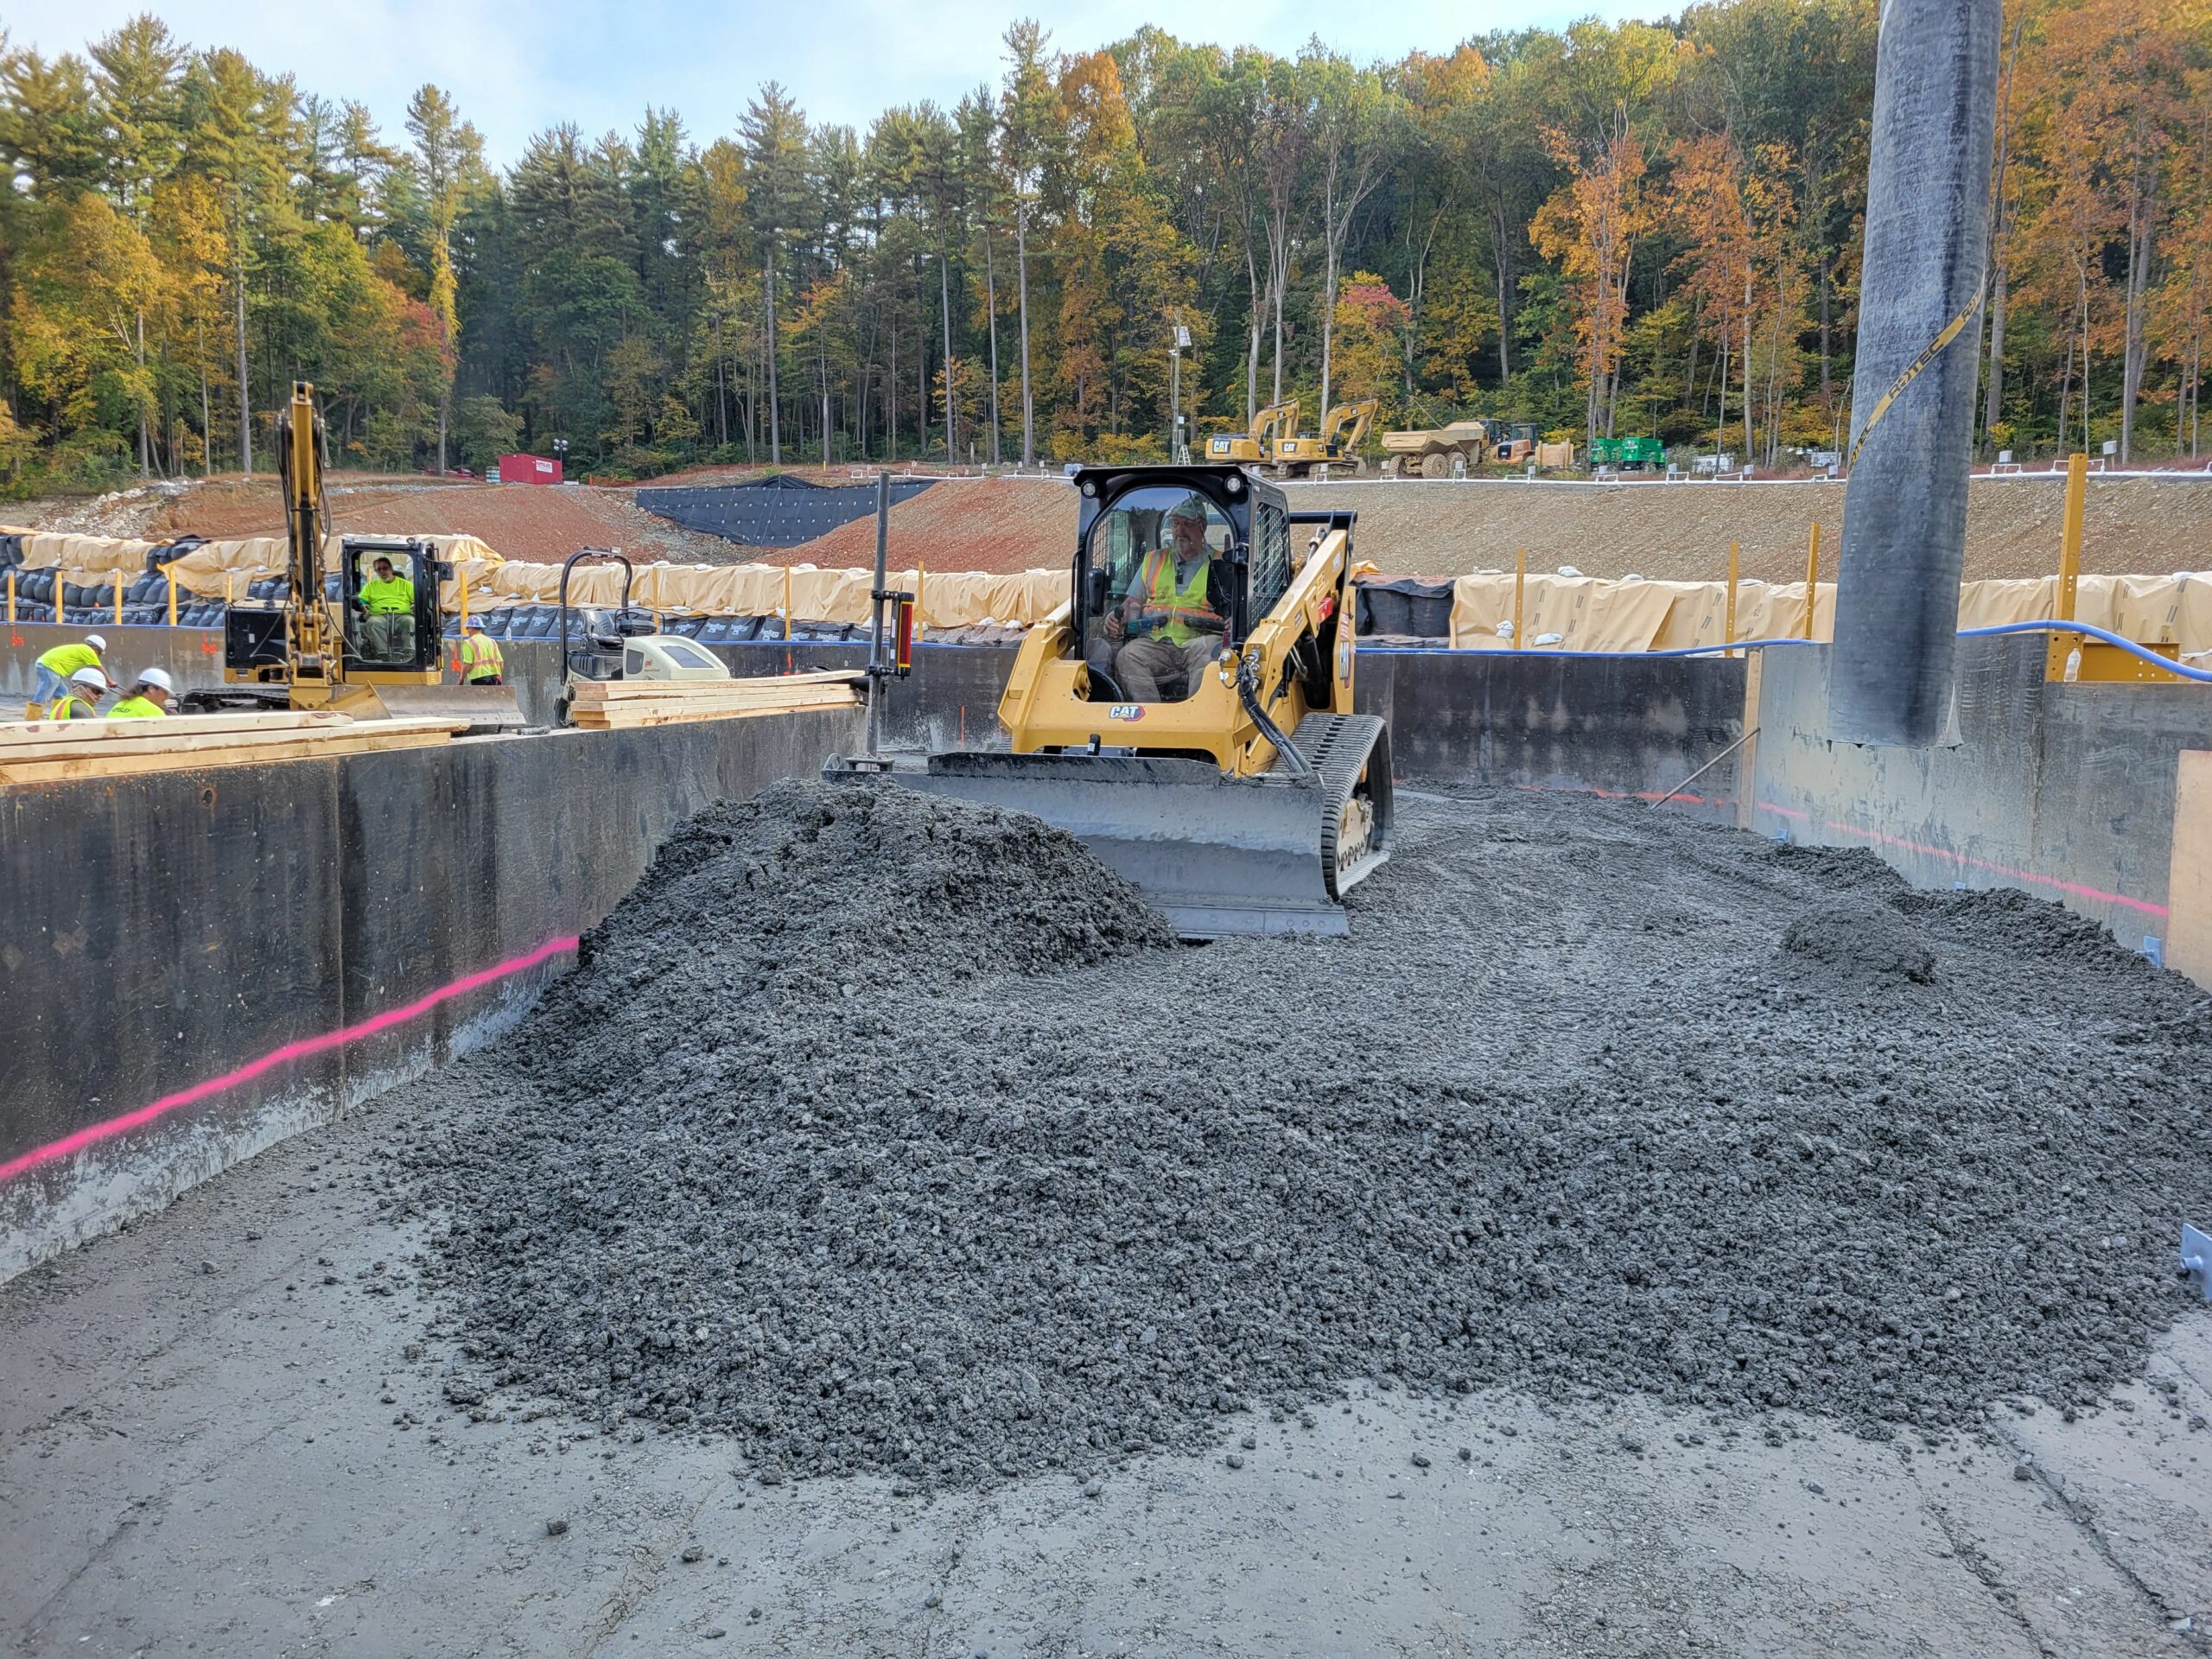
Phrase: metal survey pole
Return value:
(877, 670)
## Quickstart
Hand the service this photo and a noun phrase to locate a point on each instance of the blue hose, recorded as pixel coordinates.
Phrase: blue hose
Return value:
(2201, 675)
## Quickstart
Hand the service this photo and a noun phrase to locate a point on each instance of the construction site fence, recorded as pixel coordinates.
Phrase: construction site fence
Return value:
(103, 578)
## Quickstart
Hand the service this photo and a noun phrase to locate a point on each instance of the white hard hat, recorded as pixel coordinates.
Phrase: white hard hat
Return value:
(156, 677)
(475, 625)
(95, 642)
(90, 677)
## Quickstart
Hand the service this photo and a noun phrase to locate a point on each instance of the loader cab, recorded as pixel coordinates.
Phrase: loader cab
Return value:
(1172, 566)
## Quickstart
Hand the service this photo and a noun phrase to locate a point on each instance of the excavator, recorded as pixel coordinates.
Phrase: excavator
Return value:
(1257, 447)
(1343, 429)
(1188, 712)
(318, 647)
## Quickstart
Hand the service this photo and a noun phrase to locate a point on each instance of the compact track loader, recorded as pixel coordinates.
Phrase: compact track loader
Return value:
(1188, 712)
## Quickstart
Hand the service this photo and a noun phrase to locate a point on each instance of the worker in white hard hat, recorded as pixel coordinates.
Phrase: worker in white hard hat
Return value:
(149, 699)
(56, 666)
(82, 700)
(479, 657)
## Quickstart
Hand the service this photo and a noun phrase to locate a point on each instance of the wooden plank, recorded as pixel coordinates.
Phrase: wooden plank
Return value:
(181, 737)
(626, 719)
(2189, 881)
(15, 734)
(367, 740)
(646, 690)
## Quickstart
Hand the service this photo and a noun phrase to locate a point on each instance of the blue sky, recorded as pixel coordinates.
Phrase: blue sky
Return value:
(516, 67)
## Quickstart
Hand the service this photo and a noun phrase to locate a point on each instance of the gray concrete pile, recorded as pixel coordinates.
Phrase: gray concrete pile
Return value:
(892, 1134)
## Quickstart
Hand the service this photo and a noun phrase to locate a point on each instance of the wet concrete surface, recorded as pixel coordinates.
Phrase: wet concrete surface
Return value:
(223, 1432)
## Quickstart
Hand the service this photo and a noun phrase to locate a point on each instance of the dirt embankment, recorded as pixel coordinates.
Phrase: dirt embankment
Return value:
(2140, 526)
(2136, 525)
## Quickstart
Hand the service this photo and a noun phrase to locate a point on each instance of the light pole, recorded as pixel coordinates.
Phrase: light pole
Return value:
(1178, 451)
(561, 454)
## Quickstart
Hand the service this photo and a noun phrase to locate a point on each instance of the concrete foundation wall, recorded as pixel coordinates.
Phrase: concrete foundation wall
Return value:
(2066, 791)
(164, 930)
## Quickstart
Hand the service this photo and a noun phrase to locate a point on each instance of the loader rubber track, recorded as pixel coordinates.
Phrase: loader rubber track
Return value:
(1339, 747)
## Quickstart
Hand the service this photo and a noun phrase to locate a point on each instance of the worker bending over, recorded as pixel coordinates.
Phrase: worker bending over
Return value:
(479, 657)
(58, 666)
(1172, 615)
(82, 700)
(148, 698)
(388, 630)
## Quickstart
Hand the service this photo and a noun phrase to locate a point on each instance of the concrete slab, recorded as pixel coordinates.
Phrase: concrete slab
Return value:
(222, 1430)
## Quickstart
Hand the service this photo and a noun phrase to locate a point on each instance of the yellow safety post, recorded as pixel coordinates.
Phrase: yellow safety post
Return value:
(460, 578)
(168, 571)
(787, 602)
(1728, 624)
(921, 580)
(1520, 586)
(118, 599)
(11, 599)
(1812, 577)
(2062, 645)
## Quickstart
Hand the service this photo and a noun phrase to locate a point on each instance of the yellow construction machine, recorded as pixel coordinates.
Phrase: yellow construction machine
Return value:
(1188, 712)
(1257, 447)
(1342, 430)
(321, 645)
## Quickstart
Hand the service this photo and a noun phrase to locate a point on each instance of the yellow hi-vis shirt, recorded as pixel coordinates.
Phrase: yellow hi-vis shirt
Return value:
(1185, 608)
(480, 658)
(392, 598)
(137, 709)
(66, 660)
(75, 706)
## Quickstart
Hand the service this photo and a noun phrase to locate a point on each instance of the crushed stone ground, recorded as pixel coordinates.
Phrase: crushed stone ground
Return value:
(892, 1134)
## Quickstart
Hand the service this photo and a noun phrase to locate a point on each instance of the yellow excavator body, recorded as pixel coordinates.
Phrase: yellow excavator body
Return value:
(315, 649)
(1344, 429)
(1257, 447)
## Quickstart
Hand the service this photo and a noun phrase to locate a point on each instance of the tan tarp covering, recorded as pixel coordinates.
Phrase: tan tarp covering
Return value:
(1603, 615)
(1589, 613)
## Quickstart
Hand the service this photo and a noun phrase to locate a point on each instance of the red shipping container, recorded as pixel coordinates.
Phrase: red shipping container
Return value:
(528, 469)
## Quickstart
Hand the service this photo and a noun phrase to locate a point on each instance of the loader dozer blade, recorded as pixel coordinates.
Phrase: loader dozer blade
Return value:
(486, 707)
(1217, 856)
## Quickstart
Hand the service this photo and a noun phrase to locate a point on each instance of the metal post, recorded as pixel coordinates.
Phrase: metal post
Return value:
(1728, 625)
(1520, 584)
(1812, 577)
(876, 672)
(11, 602)
(2061, 646)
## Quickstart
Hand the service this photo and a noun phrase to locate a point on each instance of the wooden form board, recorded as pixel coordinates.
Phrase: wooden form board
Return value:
(669, 711)
(17, 734)
(2188, 884)
(127, 748)
(765, 688)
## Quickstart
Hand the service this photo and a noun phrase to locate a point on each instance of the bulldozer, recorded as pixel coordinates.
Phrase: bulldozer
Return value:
(1257, 447)
(1343, 429)
(1188, 712)
(319, 646)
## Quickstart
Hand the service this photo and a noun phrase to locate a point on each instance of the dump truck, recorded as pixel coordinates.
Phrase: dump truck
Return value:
(1431, 453)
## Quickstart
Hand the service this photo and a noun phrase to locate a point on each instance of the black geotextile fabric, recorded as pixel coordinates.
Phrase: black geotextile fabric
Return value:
(777, 511)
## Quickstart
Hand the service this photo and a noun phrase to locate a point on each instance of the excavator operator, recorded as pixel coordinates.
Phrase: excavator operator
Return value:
(389, 627)
(1175, 615)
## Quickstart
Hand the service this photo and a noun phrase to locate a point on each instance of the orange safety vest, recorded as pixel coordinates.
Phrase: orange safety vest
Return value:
(1187, 611)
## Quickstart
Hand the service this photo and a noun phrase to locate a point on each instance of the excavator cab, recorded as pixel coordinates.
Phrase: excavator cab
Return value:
(380, 642)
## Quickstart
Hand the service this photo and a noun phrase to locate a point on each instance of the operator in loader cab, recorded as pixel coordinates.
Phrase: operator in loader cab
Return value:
(388, 630)
(1175, 613)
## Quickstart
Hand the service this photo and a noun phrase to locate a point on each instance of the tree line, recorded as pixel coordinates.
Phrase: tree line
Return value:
(1645, 229)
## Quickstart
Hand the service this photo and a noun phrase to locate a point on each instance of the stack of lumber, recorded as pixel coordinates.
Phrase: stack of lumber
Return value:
(59, 751)
(618, 705)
